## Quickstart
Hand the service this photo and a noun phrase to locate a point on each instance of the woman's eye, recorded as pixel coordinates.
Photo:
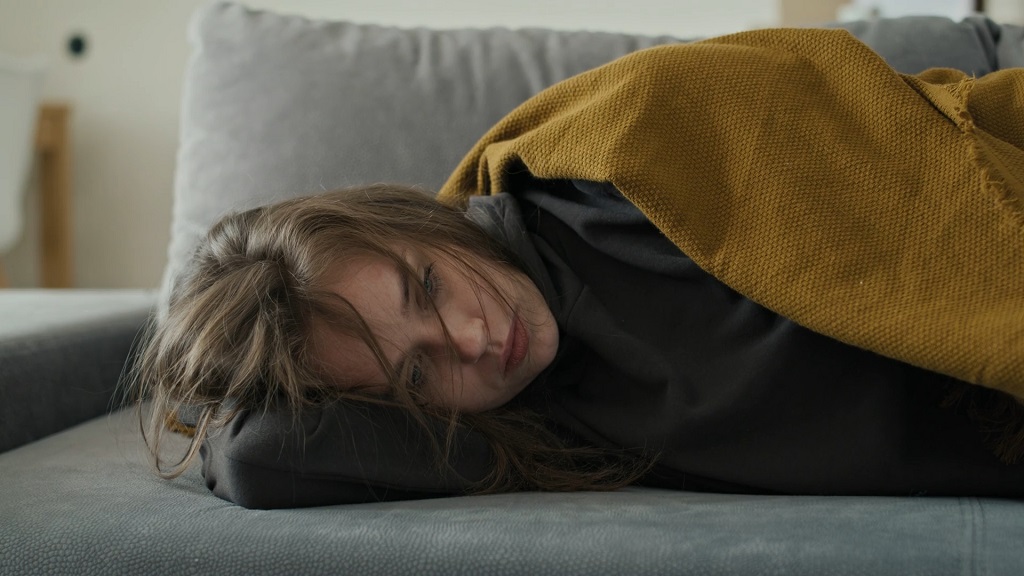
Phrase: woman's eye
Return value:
(416, 376)
(431, 283)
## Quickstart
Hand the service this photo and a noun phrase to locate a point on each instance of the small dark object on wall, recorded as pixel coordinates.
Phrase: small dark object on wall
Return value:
(77, 45)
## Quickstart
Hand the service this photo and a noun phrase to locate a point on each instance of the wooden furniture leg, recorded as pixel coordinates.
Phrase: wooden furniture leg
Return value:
(53, 144)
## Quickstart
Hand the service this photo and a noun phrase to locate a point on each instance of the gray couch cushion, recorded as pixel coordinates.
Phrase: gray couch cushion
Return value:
(914, 44)
(61, 353)
(278, 106)
(84, 502)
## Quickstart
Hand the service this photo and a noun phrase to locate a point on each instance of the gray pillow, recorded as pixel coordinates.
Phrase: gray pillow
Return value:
(277, 106)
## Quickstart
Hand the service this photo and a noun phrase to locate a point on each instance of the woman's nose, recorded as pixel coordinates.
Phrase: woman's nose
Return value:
(468, 338)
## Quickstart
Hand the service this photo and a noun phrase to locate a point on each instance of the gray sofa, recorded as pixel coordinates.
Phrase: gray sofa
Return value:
(277, 105)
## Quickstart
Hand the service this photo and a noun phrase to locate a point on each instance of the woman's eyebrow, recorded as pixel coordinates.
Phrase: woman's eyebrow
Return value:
(403, 278)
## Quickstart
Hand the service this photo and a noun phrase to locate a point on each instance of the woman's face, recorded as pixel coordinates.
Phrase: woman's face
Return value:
(495, 352)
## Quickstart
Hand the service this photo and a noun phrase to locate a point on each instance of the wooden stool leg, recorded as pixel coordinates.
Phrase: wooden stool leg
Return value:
(54, 146)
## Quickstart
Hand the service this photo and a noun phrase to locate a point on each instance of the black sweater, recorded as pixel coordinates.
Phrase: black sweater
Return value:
(657, 354)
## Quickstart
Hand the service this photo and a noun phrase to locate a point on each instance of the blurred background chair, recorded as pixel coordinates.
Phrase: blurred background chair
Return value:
(20, 84)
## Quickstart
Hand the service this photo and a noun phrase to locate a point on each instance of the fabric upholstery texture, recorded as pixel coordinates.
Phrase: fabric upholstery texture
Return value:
(84, 502)
(61, 355)
(279, 106)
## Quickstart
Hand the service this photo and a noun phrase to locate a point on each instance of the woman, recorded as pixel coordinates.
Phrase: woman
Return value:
(379, 295)
(384, 295)
(584, 342)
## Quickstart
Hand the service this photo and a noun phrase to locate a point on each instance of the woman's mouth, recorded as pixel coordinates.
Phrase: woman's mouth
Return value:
(516, 344)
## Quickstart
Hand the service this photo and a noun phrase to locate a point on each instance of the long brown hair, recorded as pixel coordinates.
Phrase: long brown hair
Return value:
(237, 333)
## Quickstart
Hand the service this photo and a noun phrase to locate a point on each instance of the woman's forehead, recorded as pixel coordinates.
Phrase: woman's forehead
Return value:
(378, 288)
(345, 359)
(372, 286)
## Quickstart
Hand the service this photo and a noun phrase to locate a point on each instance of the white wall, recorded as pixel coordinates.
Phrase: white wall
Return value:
(1006, 10)
(672, 17)
(896, 8)
(125, 95)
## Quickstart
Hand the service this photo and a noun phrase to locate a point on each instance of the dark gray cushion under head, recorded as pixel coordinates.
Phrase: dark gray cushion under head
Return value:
(338, 454)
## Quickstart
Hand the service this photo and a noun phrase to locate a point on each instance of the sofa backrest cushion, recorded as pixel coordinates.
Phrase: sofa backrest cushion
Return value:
(277, 106)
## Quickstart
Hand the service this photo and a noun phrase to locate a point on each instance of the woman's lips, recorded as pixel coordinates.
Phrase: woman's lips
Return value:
(516, 344)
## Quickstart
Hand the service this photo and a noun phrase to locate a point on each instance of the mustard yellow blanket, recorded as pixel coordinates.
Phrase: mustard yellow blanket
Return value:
(881, 209)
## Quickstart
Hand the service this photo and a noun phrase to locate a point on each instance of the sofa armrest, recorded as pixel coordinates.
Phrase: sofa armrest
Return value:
(61, 356)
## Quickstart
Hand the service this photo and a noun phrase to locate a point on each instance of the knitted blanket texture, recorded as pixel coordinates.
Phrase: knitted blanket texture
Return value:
(877, 208)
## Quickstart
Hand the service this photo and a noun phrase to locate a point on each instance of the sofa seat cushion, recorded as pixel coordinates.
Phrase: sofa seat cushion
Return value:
(85, 502)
